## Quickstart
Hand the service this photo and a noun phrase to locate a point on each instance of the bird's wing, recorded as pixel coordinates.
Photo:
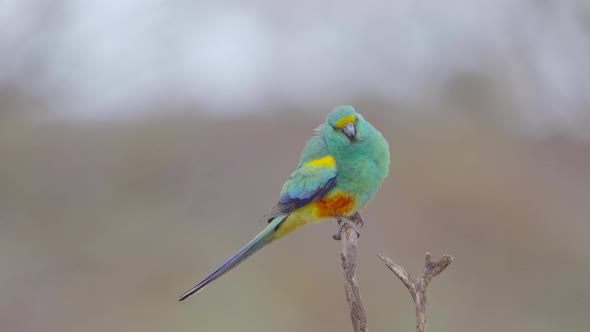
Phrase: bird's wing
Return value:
(314, 148)
(311, 181)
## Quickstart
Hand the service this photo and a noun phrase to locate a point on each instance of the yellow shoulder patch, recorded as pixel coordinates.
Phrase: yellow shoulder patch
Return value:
(328, 161)
(345, 120)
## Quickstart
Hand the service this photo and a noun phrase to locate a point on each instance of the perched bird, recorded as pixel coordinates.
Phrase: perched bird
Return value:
(340, 169)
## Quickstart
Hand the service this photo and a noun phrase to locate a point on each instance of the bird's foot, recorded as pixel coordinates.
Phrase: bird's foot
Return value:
(358, 219)
(355, 222)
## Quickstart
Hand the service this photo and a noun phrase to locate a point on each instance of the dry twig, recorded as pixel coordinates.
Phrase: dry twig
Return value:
(349, 237)
(417, 288)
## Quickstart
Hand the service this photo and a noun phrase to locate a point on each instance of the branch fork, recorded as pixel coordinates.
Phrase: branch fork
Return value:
(349, 233)
(417, 287)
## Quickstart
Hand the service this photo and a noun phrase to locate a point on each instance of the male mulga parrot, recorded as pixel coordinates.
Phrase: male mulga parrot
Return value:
(340, 170)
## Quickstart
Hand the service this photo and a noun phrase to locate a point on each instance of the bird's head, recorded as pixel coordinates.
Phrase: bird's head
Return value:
(344, 127)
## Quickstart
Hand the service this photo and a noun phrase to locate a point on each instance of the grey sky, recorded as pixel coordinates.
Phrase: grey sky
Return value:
(96, 58)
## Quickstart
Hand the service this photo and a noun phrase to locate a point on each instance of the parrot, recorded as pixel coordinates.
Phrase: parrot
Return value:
(340, 169)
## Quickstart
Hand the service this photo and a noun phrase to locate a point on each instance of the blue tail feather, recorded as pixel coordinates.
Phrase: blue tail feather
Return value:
(248, 250)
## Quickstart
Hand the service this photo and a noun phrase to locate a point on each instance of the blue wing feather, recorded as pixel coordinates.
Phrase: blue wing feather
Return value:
(300, 195)
(309, 182)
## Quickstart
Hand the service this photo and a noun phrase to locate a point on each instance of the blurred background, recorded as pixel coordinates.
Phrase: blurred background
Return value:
(140, 142)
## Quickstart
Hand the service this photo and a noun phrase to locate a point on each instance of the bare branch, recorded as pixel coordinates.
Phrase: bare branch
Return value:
(349, 236)
(398, 270)
(417, 288)
(434, 268)
(349, 233)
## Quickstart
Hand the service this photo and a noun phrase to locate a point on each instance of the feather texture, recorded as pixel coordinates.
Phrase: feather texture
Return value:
(309, 182)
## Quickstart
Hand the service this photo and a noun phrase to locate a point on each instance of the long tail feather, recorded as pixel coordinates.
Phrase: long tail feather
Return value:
(248, 250)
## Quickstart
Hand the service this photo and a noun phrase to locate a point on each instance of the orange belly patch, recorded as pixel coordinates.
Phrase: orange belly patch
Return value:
(338, 204)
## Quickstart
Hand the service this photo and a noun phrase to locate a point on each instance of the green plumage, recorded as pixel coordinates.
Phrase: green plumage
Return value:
(363, 162)
(340, 170)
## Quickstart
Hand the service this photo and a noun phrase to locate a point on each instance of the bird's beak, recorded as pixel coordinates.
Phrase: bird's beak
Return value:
(349, 130)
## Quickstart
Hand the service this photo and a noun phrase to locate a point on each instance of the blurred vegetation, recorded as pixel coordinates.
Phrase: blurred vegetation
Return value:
(103, 224)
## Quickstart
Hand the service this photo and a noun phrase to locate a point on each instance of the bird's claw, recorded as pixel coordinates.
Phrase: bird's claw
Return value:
(345, 221)
(359, 222)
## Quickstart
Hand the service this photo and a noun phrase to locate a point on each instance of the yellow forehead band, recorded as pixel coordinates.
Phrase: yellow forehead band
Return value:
(345, 120)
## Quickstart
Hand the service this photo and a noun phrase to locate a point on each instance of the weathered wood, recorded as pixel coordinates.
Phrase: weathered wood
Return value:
(417, 288)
